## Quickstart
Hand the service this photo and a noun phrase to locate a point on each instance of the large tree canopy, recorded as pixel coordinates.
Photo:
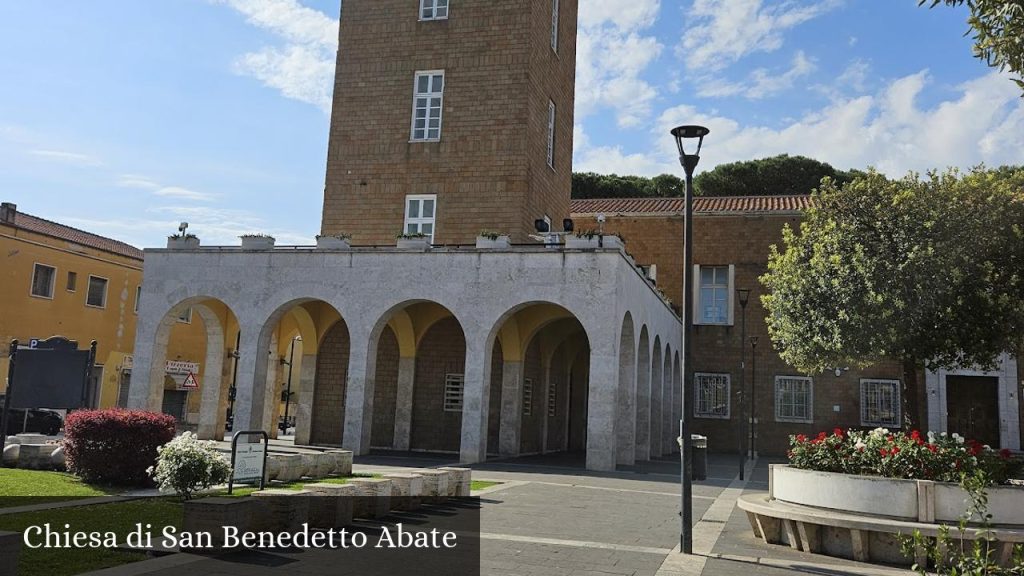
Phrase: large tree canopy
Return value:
(923, 270)
(998, 28)
(778, 175)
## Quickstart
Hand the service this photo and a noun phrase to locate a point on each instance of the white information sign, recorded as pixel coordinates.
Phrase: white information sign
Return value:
(249, 463)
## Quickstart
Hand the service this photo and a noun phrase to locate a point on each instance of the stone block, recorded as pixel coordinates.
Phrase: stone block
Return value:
(273, 469)
(342, 462)
(32, 438)
(281, 510)
(460, 481)
(57, 460)
(373, 497)
(330, 505)
(406, 491)
(36, 456)
(10, 549)
(291, 467)
(435, 485)
(212, 514)
(11, 453)
(323, 464)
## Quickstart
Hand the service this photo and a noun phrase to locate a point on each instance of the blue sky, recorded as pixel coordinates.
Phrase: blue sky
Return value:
(126, 117)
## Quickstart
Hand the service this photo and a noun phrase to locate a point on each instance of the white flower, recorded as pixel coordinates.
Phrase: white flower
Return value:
(860, 445)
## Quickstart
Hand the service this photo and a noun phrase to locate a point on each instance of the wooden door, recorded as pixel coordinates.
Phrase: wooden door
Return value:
(972, 408)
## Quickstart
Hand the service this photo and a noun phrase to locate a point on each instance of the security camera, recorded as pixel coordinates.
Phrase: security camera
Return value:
(182, 227)
(600, 218)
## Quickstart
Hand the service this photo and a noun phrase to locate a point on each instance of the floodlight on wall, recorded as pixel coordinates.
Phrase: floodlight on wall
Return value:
(542, 226)
(568, 225)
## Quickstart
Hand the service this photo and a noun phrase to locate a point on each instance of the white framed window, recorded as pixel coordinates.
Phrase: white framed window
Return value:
(427, 105)
(186, 316)
(72, 284)
(420, 215)
(433, 9)
(794, 399)
(551, 134)
(97, 294)
(712, 302)
(554, 25)
(711, 395)
(880, 403)
(453, 384)
(527, 396)
(43, 278)
(552, 400)
(138, 297)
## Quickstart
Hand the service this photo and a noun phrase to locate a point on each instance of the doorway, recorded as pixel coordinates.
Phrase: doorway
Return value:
(972, 408)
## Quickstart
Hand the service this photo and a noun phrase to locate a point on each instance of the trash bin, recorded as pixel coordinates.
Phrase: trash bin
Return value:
(700, 457)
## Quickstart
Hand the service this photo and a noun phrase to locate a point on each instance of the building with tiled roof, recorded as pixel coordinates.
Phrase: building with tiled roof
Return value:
(701, 205)
(9, 215)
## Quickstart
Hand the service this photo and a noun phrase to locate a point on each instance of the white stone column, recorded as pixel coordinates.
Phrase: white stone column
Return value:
(403, 402)
(304, 408)
(626, 422)
(271, 398)
(602, 416)
(475, 400)
(546, 391)
(644, 414)
(667, 425)
(252, 367)
(145, 388)
(213, 368)
(655, 425)
(359, 392)
(509, 432)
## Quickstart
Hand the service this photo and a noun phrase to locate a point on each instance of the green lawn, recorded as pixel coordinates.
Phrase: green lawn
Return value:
(481, 484)
(16, 486)
(118, 517)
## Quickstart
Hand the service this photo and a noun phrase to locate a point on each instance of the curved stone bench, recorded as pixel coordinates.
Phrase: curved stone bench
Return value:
(853, 536)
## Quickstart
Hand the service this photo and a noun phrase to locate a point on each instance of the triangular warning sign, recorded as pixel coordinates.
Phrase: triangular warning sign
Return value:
(190, 382)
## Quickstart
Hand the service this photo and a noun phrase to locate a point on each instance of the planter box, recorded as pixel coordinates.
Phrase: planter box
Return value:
(331, 243)
(584, 243)
(413, 243)
(257, 243)
(914, 500)
(500, 243)
(182, 243)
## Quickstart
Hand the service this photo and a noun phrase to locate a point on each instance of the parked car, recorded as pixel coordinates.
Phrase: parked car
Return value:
(39, 421)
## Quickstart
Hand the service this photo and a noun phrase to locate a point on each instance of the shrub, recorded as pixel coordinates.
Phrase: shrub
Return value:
(115, 446)
(186, 465)
(880, 452)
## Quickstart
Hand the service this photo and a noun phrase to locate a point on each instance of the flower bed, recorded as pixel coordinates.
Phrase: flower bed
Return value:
(940, 458)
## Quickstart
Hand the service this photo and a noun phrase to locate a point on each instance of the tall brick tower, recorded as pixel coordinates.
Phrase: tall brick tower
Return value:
(451, 117)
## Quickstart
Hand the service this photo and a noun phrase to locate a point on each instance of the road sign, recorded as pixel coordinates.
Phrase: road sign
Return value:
(190, 382)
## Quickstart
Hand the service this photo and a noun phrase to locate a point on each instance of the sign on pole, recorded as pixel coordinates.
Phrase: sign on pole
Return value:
(190, 382)
(248, 460)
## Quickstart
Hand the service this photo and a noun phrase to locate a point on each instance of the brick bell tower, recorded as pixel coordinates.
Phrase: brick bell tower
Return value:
(451, 117)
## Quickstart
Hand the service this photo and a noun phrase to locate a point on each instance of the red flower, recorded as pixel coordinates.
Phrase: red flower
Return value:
(822, 436)
(891, 439)
(975, 447)
(932, 448)
(895, 450)
(838, 432)
(916, 437)
(801, 438)
(883, 452)
(1005, 454)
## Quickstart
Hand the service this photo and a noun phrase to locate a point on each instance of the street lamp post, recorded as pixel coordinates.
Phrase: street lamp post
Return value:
(288, 389)
(689, 162)
(743, 294)
(753, 396)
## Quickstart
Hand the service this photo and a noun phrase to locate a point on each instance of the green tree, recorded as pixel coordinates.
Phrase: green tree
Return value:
(776, 176)
(591, 185)
(998, 28)
(928, 271)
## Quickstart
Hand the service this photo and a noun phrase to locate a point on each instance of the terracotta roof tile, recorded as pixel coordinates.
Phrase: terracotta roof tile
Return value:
(74, 235)
(704, 205)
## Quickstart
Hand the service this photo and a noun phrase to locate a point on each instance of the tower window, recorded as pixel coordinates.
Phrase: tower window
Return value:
(554, 25)
(428, 100)
(420, 213)
(434, 9)
(551, 134)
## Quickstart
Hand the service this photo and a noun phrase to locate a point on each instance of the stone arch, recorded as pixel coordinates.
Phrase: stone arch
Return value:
(625, 423)
(644, 391)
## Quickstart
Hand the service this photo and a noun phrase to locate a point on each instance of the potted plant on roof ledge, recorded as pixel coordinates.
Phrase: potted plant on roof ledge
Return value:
(413, 241)
(182, 242)
(257, 241)
(333, 242)
(490, 240)
(589, 239)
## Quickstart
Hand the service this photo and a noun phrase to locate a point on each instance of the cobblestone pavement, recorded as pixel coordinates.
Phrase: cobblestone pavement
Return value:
(550, 517)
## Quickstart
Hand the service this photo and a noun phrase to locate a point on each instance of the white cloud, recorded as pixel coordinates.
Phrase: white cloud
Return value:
(720, 32)
(135, 181)
(891, 130)
(761, 82)
(183, 193)
(612, 54)
(66, 157)
(302, 69)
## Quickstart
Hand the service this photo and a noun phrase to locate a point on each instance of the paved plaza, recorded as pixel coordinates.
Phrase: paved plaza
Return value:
(549, 517)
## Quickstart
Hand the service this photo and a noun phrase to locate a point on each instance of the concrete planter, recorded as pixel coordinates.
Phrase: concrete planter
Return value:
(499, 243)
(257, 243)
(332, 243)
(914, 500)
(182, 243)
(584, 243)
(413, 243)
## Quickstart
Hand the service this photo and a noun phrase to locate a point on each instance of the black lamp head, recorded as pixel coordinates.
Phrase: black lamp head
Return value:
(568, 225)
(542, 225)
(744, 295)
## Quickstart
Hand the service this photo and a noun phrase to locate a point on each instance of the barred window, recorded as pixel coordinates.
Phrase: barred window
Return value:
(880, 403)
(527, 396)
(433, 9)
(453, 392)
(711, 395)
(552, 400)
(794, 399)
(96, 297)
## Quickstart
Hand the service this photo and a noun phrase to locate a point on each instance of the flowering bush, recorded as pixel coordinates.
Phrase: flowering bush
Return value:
(941, 458)
(186, 465)
(115, 446)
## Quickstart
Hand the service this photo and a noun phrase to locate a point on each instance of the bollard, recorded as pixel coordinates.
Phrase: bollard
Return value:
(281, 510)
(406, 491)
(330, 505)
(435, 485)
(373, 497)
(460, 481)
